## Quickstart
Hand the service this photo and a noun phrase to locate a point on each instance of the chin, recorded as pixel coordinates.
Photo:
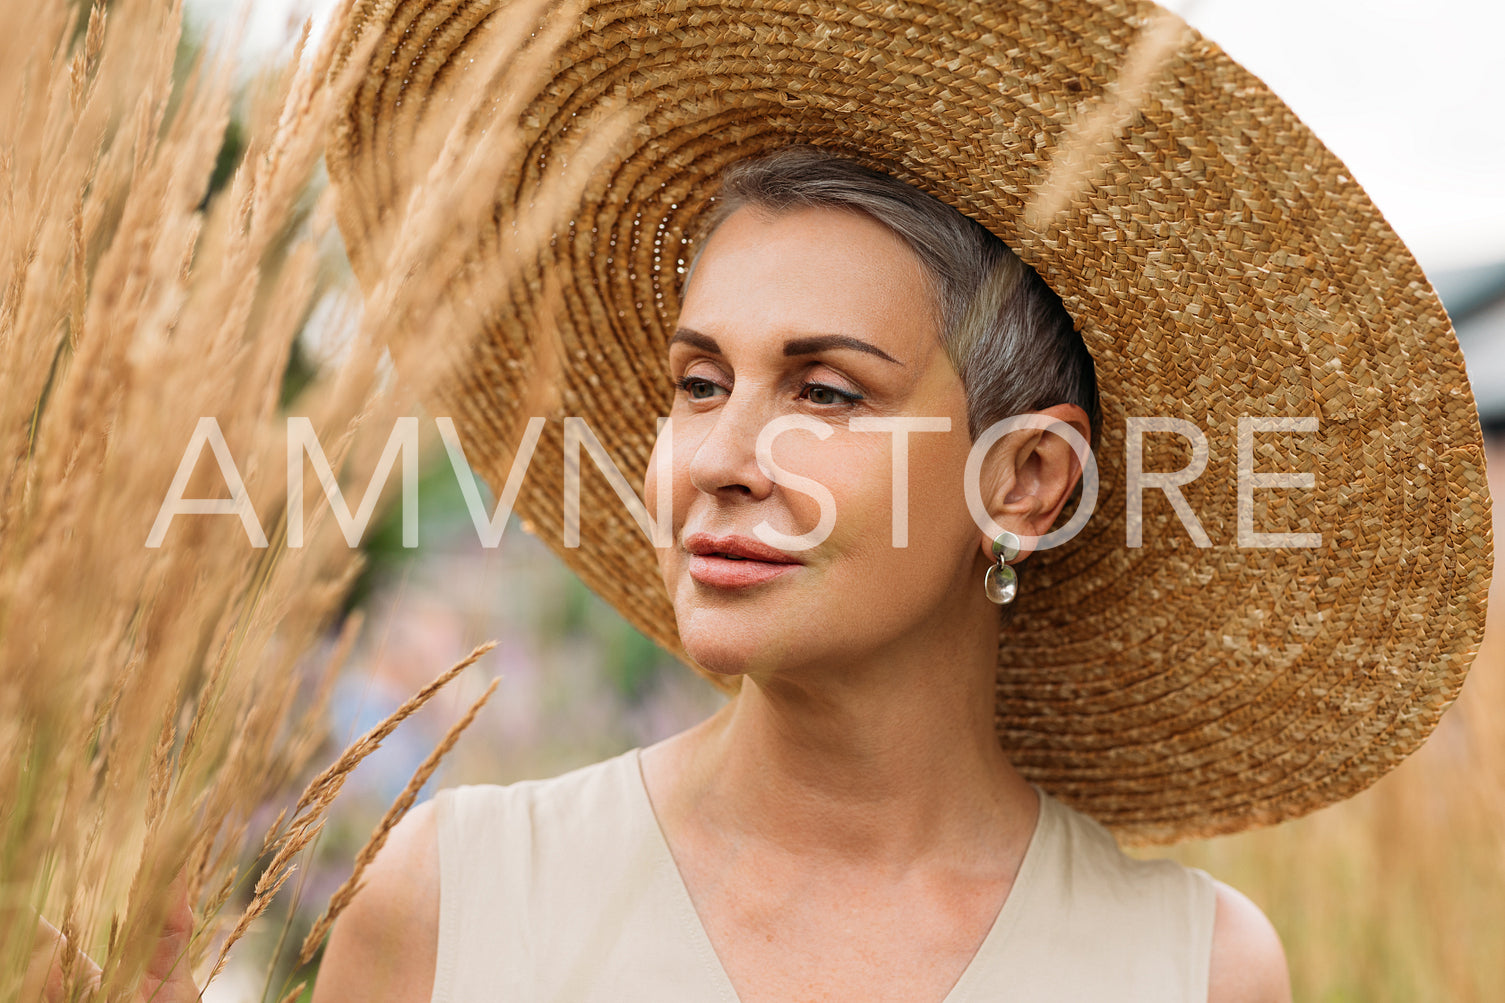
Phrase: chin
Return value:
(731, 642)
(721, 651)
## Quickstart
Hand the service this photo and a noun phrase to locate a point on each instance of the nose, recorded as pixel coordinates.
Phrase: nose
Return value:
(725, 462)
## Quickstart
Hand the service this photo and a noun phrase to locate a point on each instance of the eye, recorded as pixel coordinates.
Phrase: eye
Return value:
(697, 388)
(819, 393)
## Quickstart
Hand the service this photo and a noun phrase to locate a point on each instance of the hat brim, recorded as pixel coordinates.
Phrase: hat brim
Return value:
(1220, 263)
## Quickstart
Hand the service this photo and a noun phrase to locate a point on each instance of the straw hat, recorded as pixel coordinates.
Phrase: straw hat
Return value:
(1219, 262)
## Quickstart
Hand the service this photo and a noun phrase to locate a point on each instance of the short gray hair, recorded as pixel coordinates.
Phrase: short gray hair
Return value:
(1006, 333)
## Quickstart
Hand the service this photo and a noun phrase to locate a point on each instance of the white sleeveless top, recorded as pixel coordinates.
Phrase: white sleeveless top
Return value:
(564, 890)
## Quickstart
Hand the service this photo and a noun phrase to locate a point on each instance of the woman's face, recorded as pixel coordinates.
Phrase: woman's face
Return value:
(822, 314)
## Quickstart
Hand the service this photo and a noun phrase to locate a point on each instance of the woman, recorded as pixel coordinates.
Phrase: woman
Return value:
(847, 827)
(899, 801)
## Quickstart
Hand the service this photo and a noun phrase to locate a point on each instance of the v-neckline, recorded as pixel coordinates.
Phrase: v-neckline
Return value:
(1005, 919)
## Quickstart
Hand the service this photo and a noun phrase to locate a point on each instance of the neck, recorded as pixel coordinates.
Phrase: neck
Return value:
(889, 761)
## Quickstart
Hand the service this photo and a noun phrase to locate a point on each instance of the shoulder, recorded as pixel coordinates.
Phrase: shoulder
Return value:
(383, 946)
(526, 809)
(1248, 963)
(552, 808)
(1235, 951)
(1137, 883)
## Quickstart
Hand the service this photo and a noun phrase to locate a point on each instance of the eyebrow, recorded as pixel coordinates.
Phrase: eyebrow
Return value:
(796, 346)
(695, 340)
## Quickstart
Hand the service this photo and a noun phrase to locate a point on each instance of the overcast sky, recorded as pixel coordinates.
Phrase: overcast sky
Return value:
(1409, 93)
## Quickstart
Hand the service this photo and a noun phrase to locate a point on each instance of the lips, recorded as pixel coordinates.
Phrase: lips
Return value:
(735, 562)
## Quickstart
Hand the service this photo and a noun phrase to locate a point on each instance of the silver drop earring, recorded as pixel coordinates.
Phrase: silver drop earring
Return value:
(1002, 582)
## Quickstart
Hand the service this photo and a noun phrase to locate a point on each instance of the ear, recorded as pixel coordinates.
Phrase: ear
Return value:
(1029, 474)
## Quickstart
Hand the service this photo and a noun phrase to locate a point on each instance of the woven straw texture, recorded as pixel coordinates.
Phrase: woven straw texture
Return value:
(1219, 263)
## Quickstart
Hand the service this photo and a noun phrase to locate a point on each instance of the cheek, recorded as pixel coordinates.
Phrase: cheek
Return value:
(650, 479)
(938, 511)
(858, 469)
(852, 466)
(938, 533)
(675, 478)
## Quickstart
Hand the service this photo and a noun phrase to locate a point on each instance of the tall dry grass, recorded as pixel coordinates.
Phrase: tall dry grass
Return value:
(152, 698)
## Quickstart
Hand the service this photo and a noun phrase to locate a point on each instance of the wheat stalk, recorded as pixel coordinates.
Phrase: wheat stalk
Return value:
(154, 697)
(346, 892)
